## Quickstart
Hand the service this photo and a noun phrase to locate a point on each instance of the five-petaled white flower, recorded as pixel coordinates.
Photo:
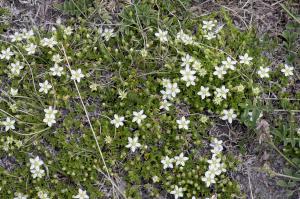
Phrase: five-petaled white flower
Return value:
(9, 124)
(49, 42)
(31, 48)
(220, 71)
(263, 72)
(6, 54)
(138, 116)
(20, 196)
(13, 91)
(117, 121)
(27, 34)
(68, 31)
(16, 37)
(56, 58)
(187, 60)
(133, 143)
(167, 162)
(45, 87)
(222, 92)
(287, 70)
(56, 70)
(177, 192)
(36, 162)
(188, 76)
(162, 35)
(107, 33)
(228, 115)
(209, 178)
(43, 195)
(180, 160)
(183, 123)
(76, 75)
(229, 63)
(50, 116)
(210, 35)
(172, 90)
(217, 146)
(35, 167)
(184, 38)
(165, 105)
(245, 59)
(208, 25)
(204, 92)
(81, 194)
(16, 67)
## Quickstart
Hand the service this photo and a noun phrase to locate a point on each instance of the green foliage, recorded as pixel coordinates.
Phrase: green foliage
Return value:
(134, 62)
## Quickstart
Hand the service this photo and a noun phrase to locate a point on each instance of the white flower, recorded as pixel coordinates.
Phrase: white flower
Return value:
(220, 71)
(13, 91)
(217, 146)
(9, 124)
(37, 173)
(187, 60)
(50, 111)
(107, 33)
(204, 92)
(180, 160)
(208, 25)
(263, 72)
(27, 34)
(49, 42)
(16, 67)
(118, 121)
(165, 105)
(133, 143)
(68, 30)
(222, 92)
(138, 117)
(172, 89)
(31, 48)
(56, 70)
(45, 87)
(43, 195)
(162, 35)
(188, 76)
(184, 38)
(197, 65)
(177, 192)
(210, 35)
(50, 116)
(56, 58)
(77, 75)
(209, 178)
(287, 70)
(20, 196)
(165, 82)
(229, 63)
(214, 160)
(245, 59)
(183, 123)
(36, 163)
(217, 168)
(16, 37)
(81, 195)
(228, 115)
(155, 179)
(167, 162)
(6, 54)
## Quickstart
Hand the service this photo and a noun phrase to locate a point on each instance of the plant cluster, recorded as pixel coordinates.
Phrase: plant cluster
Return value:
(83, 107)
